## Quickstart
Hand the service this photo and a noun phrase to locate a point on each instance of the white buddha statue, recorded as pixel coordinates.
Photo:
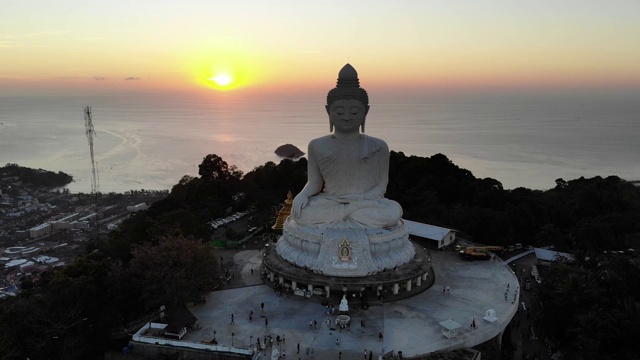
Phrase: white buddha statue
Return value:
(344, 304)
(341, 224)
(348, 171)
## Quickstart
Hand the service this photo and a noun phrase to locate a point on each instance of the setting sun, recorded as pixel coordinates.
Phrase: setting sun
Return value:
(222, 79)
(223, 65)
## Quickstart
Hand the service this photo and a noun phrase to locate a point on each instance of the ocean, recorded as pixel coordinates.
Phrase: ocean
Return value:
(151, 140)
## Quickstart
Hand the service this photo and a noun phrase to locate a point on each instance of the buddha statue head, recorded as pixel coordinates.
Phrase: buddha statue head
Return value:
(346, 91)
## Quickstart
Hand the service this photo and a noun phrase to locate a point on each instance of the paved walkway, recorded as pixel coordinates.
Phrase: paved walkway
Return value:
(525, 339)
(409, 325)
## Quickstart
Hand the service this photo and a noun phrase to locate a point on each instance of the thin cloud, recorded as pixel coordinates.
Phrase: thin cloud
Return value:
(48, 33)
(9, 43)
(30, 40)
(69, 77)
(132, 78)
(93, 38)
(80, 69)
(100, 78)
(8, 40)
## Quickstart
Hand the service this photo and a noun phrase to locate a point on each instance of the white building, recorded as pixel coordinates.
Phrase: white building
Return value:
(547, 256)
(14, 263)
(138, 207)
(40, 230)
(58, 225)
(46, 260)
(80, 225)
(442, 236)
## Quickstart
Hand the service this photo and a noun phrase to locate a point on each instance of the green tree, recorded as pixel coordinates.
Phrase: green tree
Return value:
(591, 307)
(214, 168)
(136, 230)
(174, 271)
(69, 318)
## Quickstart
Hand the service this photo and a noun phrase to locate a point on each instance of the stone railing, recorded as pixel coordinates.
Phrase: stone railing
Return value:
(141, 338)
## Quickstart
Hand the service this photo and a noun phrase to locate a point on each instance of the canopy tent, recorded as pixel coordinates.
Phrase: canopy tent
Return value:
(450, 328)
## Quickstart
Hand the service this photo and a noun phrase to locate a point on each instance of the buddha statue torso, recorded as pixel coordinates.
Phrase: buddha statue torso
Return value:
(354, 175)
(343, 163)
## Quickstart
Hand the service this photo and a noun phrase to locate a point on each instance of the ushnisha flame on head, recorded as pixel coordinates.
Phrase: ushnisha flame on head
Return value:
(348, 87)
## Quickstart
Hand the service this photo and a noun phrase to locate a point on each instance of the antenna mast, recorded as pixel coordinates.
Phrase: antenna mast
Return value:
(91, 134)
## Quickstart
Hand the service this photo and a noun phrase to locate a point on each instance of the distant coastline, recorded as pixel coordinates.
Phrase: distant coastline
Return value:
(152, 142)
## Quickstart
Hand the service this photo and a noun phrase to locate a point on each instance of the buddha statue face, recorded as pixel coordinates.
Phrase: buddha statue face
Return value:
(347, 115)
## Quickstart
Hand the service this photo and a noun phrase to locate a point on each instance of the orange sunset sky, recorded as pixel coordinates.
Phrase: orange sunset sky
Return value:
(272, 46)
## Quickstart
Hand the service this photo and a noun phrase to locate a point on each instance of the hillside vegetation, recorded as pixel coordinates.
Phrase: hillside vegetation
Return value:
(164, 255)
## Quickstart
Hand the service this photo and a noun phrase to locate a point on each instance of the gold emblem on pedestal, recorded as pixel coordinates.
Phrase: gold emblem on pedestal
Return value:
(344, 253)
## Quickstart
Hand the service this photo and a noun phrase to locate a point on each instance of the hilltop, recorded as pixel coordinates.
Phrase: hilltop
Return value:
(289, 151)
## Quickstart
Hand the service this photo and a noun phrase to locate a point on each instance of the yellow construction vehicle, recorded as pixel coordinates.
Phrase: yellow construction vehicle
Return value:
(479, 252)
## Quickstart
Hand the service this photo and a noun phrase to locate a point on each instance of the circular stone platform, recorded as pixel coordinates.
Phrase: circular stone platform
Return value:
(411, 325)
(404, 281)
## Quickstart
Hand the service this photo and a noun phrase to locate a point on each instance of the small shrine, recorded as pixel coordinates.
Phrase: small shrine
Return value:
(491, 316)
(344, 305)
(343, 319)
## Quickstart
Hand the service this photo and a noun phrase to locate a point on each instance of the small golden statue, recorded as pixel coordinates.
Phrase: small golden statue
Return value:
(283, 213)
